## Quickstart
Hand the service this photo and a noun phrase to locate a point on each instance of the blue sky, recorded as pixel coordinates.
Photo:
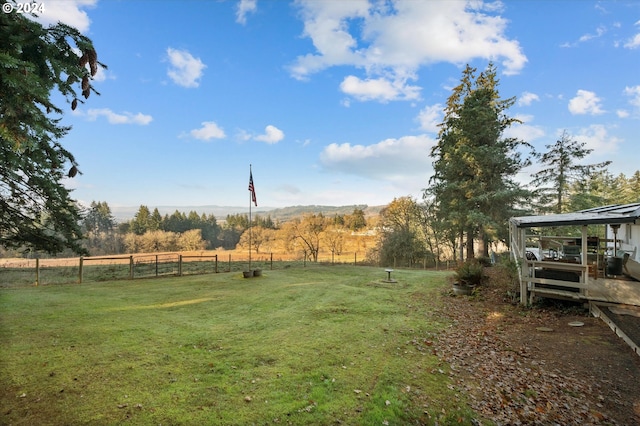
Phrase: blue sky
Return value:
(332, 102)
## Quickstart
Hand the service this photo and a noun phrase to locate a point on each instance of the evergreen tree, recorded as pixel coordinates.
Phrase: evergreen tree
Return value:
(99, 228)
(633, 191)
(592, 191)
(193, 220)
(36, 209)
(210, 230)
(473, 186)
(237, 221)
(99, 218)
(177, 222)
(141, 221)
(561, 171)
(155, 221)
(234, 226)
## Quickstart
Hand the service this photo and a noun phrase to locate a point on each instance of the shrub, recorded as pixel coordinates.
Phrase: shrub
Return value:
(485, 261)
(470, 273)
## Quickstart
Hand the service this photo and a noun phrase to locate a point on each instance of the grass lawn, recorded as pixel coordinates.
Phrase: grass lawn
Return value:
(316, 345)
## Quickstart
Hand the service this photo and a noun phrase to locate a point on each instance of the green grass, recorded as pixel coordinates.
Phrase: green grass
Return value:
(316, 345)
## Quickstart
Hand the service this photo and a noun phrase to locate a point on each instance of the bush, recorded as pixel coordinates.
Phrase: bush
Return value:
(485, 261)
(470, 273)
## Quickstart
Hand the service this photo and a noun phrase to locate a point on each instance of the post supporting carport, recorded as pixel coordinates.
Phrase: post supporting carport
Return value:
(585, 257)
(524, 269)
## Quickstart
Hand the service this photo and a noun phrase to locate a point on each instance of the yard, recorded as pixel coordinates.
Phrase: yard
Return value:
(316, 345)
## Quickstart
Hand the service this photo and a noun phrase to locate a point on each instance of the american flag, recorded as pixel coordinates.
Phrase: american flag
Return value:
(252, 189)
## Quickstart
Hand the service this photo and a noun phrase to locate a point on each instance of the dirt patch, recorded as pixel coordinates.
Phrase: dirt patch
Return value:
(550, 364)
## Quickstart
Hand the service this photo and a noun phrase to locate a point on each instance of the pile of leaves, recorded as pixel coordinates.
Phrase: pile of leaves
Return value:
(508, 379)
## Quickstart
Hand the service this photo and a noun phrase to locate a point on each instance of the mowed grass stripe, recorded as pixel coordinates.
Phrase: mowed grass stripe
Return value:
(315, 345)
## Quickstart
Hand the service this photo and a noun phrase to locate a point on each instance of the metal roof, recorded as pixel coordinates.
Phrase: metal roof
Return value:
(614, 213)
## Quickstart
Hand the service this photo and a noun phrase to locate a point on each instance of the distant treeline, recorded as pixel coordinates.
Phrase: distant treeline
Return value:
(149, 231)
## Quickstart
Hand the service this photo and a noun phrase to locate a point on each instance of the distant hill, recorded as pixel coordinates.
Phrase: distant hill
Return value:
(282, 214)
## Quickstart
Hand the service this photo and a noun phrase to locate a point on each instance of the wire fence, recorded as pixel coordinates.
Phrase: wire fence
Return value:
(26, 272)
(103, 268)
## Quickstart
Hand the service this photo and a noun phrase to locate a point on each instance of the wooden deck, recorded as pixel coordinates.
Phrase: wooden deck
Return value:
(608, 290)
(619, 291)
(577, 282)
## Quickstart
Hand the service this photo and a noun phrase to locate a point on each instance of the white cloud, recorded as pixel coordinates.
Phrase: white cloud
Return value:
(243, 135)
(527, 98)
(600, 31)
(597, 138)
(68, 12)
(326, 24)
(585, 102)
(633, 42)
(525, 131)
(272, 135)
(244, 8)
(390, 159)
(379, 89)
(115, 118)
(394, 39)
(430, 117)
(208, 131)
(185, 70)
(634, 93)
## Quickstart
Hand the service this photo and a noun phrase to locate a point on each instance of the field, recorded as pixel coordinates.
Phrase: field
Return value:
(317, 345)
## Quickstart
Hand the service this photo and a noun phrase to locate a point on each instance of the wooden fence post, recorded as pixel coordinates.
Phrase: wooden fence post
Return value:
(131, 267)
(229, 262)
(80, 270)
(271, 261)
(355, 259)
(156, 265)
(37, 271)
(179, 265)
(216, 263)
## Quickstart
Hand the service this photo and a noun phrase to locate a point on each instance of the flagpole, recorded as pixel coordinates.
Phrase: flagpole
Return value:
(250, 200)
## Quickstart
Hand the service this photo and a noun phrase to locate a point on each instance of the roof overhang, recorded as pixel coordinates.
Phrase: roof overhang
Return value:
(627, 213)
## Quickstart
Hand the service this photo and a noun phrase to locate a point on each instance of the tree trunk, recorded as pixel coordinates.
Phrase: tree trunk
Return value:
(470, 245)
(484, 243)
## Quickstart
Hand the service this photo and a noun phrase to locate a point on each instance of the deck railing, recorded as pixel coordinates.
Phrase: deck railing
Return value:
(555, 276)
